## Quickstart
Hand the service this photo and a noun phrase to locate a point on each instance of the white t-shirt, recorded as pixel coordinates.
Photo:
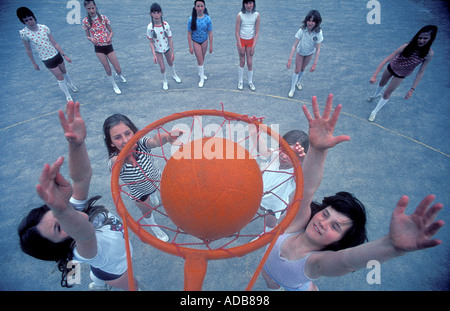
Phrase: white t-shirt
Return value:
(40, 41)
(308, 41)
(248, 21)
(161, 43)
(279, 184)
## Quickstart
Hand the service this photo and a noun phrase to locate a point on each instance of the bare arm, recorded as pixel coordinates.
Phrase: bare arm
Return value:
(373, 80)
(407, 233)
(321, 139)
(316, 57)
(420, 74)
(293, 50)
(58, 48)
(30, 53)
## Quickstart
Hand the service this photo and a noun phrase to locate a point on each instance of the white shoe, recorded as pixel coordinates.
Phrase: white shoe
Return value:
(371, 98)
(177, 79)
(240, 86)
(372, 116)
(73, 87)
(200, 84)
(117, 90)
(122, 78)
(165, 86)
(291, 94)
(94, 287)
(160, 234)
(252, 86)
(299, 86)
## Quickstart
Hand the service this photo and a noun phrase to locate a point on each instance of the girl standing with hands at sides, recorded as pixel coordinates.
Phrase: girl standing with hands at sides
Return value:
(139, 170)
(307, 43)
(69, 225)
(199, 34)
(50, 53)
(327, 239)
(99, 32)
(247, 33)
(160, 36)
(402, 64)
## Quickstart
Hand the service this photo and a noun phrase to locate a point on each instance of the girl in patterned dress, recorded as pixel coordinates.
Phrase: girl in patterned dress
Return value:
(199, 34)
(402, 64)
(99, 32)
(50, 53)
(139, 170)
(160, 36)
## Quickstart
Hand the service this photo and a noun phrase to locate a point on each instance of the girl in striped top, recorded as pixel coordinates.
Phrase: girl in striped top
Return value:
(402, 64)
(138, 171)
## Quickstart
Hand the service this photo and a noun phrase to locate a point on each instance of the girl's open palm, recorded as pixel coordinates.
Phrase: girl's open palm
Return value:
(414, 232)
(321, 128)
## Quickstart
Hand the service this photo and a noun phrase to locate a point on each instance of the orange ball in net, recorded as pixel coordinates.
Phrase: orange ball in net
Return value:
(211, 188)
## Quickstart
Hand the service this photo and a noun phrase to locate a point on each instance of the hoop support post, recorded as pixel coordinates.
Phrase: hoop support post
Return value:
(195, 266)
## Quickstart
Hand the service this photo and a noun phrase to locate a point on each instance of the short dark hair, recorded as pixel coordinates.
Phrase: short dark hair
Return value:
(347, 204)
(23, 12)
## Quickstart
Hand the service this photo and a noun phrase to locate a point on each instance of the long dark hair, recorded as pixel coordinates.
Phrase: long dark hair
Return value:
(34, 244)
(155, 7)
(413, 44)
(315, 15)
(347, 204)
(194, 15)
(86, 2)
(109, 123)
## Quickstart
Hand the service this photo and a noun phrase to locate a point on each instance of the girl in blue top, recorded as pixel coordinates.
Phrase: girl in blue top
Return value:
(199, 33)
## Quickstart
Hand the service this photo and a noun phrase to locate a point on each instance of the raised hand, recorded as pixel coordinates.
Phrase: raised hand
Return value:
(73, 126)
(414, 232)
(321, 128)
(53, 188)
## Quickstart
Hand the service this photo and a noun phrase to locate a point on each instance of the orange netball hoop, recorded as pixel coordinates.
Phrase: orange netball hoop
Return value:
(211, 188)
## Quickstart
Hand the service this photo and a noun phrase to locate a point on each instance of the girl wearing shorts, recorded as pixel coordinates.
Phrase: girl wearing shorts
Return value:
(69, 226)
(139, 170)
(247, 33)
(50, 53)
(160, 36)
(99, 32)
(307, 43)
(199, 34)
(402, 64)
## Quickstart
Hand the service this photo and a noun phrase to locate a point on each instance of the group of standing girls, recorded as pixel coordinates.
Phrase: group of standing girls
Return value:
(307, 46)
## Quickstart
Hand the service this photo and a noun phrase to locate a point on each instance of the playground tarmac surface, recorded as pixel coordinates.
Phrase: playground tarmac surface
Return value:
(406, 151)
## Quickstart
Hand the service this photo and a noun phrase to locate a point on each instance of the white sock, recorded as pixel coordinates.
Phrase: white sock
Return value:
(300, 74)
(201, 72)
(164, 77)
(174, 72)
(96, 280)
(150, 221)
(111, 79)
(62, 84)
(294, 81)
(380, 105)
(67, 78)
(241, 74)
(250, 76)
(378, 91)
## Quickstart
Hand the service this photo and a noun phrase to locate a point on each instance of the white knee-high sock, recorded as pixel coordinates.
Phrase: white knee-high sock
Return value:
(201, 72)
(63, 86)
(67, 78)
(294, 80)
(300, 74)
(250, 76)
(378, 91)
(241, 74)
(380, 105)
(174, 72)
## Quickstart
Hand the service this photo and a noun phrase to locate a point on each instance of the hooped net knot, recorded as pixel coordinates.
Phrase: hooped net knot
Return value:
(205, 184)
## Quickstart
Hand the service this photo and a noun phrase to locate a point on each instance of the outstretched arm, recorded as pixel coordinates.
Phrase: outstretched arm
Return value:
(407, 233)
(79, 165)
(56, 191)
(321, 129)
